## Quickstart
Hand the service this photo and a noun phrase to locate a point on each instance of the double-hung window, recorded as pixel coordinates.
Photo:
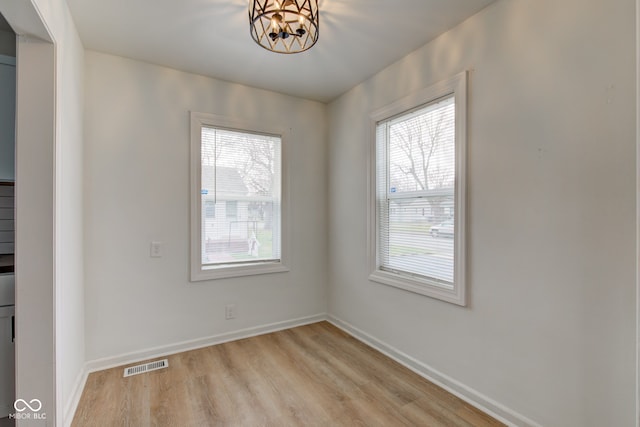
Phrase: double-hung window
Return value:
(418, 192)
(236, 198)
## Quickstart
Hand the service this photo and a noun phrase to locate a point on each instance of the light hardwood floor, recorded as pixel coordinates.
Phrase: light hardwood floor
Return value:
(314, 375)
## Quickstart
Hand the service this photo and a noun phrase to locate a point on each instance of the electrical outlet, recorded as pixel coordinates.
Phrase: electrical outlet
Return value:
(156, 250)
(230, 311)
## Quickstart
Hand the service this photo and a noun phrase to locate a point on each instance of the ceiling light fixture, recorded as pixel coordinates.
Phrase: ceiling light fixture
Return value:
(284, 26)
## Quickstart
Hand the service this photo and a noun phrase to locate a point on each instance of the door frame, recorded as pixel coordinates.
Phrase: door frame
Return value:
(35, 209)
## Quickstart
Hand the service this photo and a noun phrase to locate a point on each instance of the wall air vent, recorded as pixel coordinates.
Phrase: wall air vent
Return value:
(147, 367)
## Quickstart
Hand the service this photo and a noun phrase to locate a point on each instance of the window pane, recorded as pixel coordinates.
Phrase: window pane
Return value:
(240, 192)
(416, 183)
(422, 148)
(420, 238)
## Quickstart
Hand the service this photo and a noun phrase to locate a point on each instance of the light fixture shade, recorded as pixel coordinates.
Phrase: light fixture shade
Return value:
(284, 26)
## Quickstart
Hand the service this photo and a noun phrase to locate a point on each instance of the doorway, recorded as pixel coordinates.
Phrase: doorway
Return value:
(7, 219)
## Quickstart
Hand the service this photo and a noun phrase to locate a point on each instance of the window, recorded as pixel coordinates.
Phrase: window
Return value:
(236, 199)
(417, 201)
(210, 210)
(232, 209)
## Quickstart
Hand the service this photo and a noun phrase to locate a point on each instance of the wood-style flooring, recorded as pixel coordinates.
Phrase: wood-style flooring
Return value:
(314, 375)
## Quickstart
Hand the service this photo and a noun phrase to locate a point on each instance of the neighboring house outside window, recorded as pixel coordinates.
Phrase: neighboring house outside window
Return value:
(237, 204)
(417, 227)
(220, 226)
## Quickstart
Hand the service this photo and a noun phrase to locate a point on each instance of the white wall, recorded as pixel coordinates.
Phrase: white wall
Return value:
(549, 330)
(69, 249)
(137, 190)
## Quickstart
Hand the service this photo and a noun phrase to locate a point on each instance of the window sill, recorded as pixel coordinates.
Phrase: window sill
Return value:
(200, 273)
(454, 295)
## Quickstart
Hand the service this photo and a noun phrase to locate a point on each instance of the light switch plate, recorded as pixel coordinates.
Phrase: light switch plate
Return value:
(156, 249)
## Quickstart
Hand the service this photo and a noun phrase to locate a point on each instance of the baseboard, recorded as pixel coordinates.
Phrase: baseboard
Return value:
(76, 393)
(150, 353)
(469, 395)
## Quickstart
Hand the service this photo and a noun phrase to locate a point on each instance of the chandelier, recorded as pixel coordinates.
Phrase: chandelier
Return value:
(284, 26)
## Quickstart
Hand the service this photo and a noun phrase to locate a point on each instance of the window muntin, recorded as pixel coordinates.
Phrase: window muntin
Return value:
(418, 192)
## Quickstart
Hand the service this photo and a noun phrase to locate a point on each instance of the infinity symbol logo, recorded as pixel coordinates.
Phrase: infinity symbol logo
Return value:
(37, 405)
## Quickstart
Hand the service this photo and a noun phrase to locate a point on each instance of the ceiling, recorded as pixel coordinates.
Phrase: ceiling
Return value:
(211, 37)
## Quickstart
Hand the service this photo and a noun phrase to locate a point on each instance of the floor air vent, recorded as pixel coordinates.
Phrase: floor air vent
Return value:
(147, 367)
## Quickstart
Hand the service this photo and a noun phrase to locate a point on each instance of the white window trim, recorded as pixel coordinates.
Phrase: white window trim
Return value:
(456, 85)
(198, 271)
